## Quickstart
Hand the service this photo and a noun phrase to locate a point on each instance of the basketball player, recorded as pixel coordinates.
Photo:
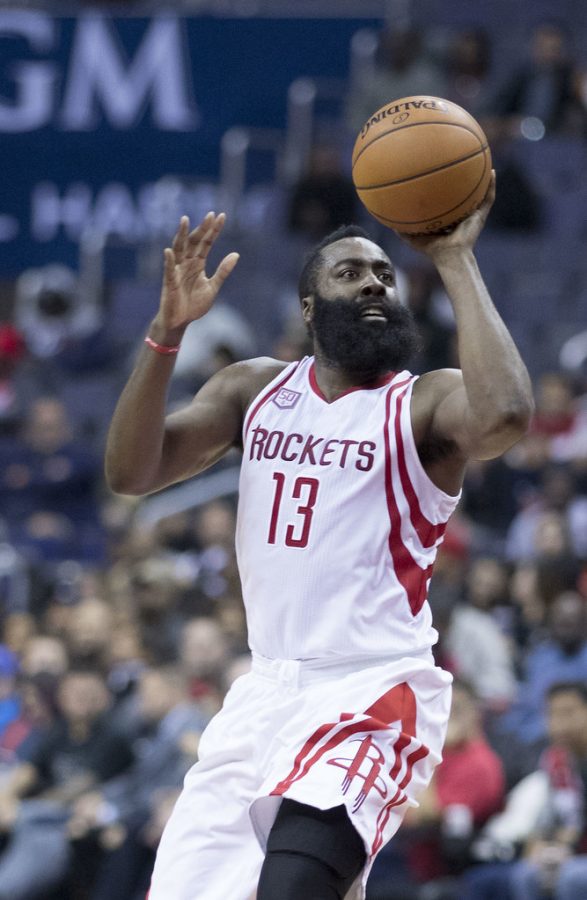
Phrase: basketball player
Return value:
(351, 469)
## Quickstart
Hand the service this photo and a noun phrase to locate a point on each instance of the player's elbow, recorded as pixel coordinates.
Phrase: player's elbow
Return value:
(518, 414)
(122, 481)
(508, 425)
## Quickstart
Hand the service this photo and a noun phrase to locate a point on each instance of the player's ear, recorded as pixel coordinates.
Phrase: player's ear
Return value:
(307, 308)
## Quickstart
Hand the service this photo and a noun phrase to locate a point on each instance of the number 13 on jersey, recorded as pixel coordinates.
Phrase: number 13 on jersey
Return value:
(305, 490)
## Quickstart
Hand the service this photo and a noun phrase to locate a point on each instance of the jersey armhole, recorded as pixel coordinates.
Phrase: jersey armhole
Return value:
(416, 470)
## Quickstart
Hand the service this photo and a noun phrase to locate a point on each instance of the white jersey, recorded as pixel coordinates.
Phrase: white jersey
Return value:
(338, 523)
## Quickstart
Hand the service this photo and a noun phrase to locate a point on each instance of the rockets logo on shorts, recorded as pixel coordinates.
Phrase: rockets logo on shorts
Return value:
(365, 765)
(285, 399)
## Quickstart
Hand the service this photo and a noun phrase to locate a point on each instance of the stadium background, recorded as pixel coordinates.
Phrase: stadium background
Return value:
(116, 119)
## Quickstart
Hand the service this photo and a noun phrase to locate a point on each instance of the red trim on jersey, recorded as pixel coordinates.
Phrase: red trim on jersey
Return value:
(380, 382)
(427, 532)
(408, 572)
(263, 399)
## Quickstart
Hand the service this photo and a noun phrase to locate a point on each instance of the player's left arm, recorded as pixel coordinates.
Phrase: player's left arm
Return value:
(482, 409)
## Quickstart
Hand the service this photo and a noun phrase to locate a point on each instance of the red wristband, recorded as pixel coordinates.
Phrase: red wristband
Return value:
(161, 348)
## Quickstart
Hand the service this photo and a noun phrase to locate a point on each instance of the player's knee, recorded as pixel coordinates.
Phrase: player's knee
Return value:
(290, 876)
(311, 850)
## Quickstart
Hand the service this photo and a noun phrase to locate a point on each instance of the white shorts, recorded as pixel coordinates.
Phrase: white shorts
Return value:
(366, 735)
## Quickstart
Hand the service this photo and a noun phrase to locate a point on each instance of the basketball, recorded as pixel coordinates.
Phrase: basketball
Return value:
(421, 164)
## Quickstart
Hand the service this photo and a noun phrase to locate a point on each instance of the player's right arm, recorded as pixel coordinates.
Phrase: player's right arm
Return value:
(147, 450)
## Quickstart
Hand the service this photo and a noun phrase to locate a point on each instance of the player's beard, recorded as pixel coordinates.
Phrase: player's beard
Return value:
(359, 345)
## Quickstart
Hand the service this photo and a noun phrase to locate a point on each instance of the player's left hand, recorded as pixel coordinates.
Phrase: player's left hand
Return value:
(462, 237)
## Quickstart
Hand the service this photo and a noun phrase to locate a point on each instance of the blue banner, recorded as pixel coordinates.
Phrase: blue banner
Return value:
(95, 110)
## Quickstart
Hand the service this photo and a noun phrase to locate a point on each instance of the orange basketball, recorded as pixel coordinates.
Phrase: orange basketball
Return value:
(421, 164)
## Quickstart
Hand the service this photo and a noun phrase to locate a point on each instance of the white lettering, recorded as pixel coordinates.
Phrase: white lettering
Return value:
(151, 211)
(158, 73)
(50, 210)
(32, 104)
(115, 212)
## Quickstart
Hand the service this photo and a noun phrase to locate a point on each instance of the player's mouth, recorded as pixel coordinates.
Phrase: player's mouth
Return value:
(373, 311)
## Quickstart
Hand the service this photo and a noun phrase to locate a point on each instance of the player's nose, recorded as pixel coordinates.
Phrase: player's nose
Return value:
(373, 288)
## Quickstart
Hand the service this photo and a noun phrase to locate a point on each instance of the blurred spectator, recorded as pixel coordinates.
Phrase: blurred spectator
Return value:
(48, 487)
(427, 300)
(324, 197)
(493, 493)
(12, 351)
(203, 656)
(467, 788)
(543, 819)
(560, 656)
(477, 650)
(75, 753)
(44, 654)
(541, 95)
(560, 419)
(89, 632)
(115, 814)
(558, 429)
(153, 595)
(555, 523)
(126, 657)
(37, 712)
(9, 699)
(214, 530)
(468, 67)
(518, 205)
(486, 588)
(403, 68)
(17, 629)
(59, 319)
(225, 338)
(556, 412)
(551, 864)
(529, 606)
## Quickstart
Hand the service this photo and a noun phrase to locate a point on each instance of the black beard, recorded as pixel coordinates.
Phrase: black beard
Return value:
(360, 346)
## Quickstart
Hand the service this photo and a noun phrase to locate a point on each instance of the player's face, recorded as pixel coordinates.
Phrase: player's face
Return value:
(355, 314)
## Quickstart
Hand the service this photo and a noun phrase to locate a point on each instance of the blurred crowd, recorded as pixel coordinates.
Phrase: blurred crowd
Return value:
(121, 630)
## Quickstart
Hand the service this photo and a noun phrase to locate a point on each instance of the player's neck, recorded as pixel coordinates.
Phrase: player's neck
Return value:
(334, 380)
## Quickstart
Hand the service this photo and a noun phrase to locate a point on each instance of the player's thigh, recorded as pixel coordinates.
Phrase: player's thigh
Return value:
(208, 850)
(209, 838)
(312, 853)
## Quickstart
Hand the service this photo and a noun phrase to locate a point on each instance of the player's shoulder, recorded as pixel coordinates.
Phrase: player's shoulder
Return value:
(249, 377)
(429, 390)
(434, 385)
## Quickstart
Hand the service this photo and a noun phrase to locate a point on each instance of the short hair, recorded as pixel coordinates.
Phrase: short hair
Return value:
(314, 257)
(568, 687)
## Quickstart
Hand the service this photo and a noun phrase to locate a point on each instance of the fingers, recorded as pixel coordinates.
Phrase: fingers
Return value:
(224, 269)
(200, 241)
(180, 238)
(169, 265)
(184, 239)
(490, 195)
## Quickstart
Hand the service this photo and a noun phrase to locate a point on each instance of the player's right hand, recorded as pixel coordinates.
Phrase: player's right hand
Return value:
(187, 292)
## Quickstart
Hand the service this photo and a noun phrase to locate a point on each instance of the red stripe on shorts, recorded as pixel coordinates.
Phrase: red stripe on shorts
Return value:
(399, 797)
(386, 709)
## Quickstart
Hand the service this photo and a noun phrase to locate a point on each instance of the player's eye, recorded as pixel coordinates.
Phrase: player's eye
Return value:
(388, 277)
(348, 273)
